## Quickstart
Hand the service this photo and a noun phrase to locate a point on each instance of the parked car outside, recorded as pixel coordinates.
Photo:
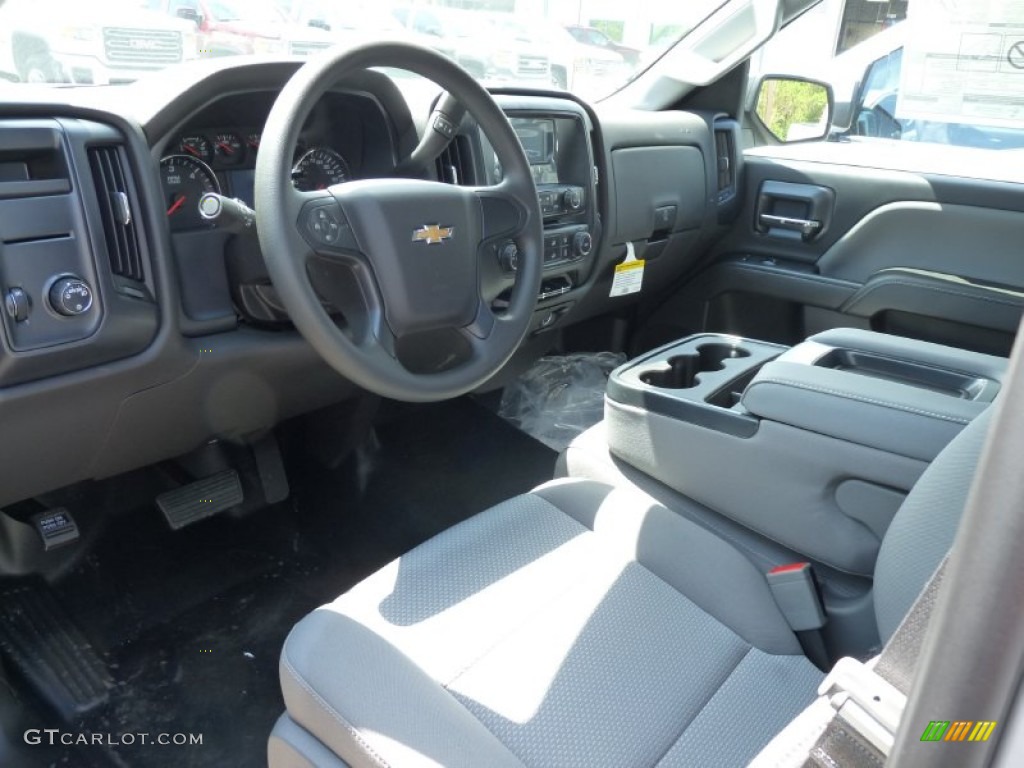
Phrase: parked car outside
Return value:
(583, 69)
(351, 23)
(866, 84)
(240, 27)
(598, 39)
(103, 43)
(490, 47)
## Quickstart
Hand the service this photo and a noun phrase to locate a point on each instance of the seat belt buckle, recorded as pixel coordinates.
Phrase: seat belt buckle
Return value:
(868, 703)
(796, 594)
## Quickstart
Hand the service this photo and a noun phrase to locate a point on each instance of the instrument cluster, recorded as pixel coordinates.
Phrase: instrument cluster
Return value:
(224, 161)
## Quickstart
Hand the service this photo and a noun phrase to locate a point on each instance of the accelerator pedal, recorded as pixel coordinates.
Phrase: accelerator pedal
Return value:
(201, 499)
(41, 641)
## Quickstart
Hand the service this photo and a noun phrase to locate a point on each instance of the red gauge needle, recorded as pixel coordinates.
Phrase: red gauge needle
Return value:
(226, 147)
(176, 206)
(193, 151)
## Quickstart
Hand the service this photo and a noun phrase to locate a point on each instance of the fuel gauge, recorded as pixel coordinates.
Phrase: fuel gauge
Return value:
(196, 145)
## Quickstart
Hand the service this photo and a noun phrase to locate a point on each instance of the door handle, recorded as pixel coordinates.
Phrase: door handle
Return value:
(806, 227)
(793, 211)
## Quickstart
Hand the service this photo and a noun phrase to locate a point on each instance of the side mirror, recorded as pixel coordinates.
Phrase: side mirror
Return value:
(190, 14)
(319, 24)
(794, 108)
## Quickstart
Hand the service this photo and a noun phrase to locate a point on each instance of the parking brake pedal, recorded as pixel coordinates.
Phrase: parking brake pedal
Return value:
(41, 641)
(201, 499)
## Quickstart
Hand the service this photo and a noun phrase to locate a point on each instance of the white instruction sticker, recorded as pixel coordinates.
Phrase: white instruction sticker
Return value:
(629, 275)
(963, 63)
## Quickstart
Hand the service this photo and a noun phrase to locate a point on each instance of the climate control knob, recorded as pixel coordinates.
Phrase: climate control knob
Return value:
(70, 296)
(508, 257)
(582, 243)
(573, 199)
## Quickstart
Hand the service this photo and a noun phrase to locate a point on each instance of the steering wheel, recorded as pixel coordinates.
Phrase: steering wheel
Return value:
(404, 260)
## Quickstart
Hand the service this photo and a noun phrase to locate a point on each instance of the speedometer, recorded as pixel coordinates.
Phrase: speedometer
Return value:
(319, 168)
(185, 179)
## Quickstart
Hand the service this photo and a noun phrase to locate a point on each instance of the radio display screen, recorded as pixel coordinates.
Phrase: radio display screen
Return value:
(539, 140)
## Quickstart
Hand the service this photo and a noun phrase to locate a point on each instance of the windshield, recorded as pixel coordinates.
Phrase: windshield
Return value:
(244, 10)
(589, 47)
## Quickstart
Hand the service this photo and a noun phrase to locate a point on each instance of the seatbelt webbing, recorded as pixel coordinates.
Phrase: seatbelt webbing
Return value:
(844, 744)
(899, 656)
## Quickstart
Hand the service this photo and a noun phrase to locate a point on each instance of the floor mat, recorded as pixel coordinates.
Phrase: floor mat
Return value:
(191, 623)
(560, 397)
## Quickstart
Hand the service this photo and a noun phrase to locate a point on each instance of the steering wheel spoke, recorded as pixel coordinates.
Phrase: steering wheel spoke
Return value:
(503, 213)
(483, 324)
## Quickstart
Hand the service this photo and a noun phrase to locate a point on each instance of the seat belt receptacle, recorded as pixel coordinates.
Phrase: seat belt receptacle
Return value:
(797, 596)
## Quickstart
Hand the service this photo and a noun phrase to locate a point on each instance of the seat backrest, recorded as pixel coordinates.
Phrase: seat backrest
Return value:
(923, 529)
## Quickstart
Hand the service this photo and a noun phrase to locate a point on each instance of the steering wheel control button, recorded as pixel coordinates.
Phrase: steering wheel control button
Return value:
(444, 126)
(17, 304)
(70, 296)
(325, 226)
(508, 257)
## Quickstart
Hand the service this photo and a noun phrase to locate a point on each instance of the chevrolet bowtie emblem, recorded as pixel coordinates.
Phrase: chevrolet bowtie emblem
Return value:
(432, 234)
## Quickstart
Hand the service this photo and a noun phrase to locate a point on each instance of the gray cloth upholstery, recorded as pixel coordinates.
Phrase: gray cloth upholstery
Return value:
(294, 747)
(575, 626)
(579, 625)
(923, 530)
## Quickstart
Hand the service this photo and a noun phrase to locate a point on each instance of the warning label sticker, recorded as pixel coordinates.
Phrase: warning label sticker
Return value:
(629, 275)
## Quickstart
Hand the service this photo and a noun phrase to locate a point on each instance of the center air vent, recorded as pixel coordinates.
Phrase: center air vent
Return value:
(455, 163)
(120, 227)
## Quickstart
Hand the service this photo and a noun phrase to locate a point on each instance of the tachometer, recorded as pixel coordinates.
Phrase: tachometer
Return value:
(185, 179)
(319, 168)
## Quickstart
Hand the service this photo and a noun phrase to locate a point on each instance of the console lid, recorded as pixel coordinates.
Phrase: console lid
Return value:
(900, 395)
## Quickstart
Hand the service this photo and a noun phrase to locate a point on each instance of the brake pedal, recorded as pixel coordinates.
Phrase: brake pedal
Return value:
(201, 499)
(42, 642)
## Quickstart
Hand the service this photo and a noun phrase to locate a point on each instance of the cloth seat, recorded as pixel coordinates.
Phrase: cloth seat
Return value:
(578, 625)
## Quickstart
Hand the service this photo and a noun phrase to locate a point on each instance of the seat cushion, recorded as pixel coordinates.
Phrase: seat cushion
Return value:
(574, 626)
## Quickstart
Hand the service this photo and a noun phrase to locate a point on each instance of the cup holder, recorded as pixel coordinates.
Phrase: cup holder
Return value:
(683, 370)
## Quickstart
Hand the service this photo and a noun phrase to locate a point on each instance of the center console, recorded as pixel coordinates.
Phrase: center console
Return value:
(814, 446)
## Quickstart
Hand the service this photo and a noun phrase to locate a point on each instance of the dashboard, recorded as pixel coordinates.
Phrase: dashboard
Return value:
(133, 331)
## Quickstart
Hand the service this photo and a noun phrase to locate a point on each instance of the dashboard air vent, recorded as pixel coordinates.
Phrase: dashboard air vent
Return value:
(119, 220)
(455, 163)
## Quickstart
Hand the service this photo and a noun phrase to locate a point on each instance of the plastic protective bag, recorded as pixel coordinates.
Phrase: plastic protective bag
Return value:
(560, 397)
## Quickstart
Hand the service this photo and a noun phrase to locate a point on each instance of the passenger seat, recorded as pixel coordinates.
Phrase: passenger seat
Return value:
(578, 625)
